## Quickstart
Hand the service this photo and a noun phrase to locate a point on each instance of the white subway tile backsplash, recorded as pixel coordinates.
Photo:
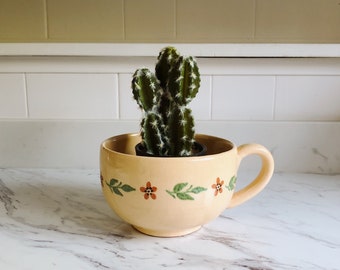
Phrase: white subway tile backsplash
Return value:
(72, 96)
(308, 98)
(296, 147)
(12, 96)
(245, 100)
(243, 97)
(201, 104)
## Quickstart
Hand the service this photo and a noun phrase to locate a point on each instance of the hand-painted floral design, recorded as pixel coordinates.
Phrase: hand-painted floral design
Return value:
(181, 193)
(149, 191)
(232, 183)
(117, 187)
(218, 186)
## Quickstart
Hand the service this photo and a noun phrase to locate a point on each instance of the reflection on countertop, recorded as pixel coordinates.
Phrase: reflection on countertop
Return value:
(58, 219)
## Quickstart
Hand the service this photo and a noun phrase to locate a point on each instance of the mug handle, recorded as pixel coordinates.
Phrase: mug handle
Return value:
(262, 178)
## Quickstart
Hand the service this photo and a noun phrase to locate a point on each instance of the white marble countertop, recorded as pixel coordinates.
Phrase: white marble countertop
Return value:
(58, 219)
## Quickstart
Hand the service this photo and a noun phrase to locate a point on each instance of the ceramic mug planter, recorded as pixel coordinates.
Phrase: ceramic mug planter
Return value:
(174, 196)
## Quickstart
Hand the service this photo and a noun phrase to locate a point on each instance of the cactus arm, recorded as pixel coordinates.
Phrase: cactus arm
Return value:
(181, 131)
(191, 79)
(147, 92)
(184, 80)
(189, 131)
(166, 59)
(145, 88)
(152, 133)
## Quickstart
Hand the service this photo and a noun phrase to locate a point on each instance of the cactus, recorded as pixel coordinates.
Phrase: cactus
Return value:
(167, 128)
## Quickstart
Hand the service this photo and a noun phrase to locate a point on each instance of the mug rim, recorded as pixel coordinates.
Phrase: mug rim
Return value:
(227, 144)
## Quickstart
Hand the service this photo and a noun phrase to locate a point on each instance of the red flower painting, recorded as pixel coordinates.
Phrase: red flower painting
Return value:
(149, 191)
(218, 186)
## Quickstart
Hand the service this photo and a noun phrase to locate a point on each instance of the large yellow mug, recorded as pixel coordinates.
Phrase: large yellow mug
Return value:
(173, 196)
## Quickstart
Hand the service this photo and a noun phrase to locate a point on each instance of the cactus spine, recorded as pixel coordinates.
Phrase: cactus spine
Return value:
(167, 128)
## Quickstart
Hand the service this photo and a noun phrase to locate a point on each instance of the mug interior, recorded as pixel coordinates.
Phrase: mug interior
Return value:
(125, 143)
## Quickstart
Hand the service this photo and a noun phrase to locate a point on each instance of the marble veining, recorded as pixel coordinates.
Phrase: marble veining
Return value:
(58, 219)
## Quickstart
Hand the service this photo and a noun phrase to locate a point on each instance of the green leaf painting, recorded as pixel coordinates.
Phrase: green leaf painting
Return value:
(118, 187)
(232, 183)
(183, 192)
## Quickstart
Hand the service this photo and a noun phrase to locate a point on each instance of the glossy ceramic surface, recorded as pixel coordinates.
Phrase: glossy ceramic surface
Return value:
(176, 196)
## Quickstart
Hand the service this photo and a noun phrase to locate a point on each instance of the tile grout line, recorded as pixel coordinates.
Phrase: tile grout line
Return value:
(47, 33)
(26, 97)
(175, 19)
(118, 105)
(124, 19)
(254, 22)
(274, 99)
